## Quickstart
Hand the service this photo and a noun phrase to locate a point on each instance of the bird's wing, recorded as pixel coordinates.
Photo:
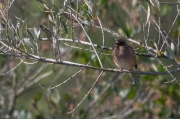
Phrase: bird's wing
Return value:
(134, 54)
(132, 49)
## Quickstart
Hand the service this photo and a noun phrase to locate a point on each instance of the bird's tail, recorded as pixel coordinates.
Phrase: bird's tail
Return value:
(135, 80)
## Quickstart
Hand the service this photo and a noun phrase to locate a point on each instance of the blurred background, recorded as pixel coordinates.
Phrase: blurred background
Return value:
(23, 93)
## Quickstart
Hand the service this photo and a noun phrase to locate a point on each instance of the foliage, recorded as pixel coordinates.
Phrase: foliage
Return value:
(56, 59)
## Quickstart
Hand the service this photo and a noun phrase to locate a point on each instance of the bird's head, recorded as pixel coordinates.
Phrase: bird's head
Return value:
(120, 42)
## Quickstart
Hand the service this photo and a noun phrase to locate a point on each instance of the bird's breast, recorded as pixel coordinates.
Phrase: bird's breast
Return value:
(125, 57)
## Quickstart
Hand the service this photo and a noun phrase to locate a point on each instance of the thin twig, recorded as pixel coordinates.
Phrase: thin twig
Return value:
(86, 94)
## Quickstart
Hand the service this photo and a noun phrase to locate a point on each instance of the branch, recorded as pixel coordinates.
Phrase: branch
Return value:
(170, 3)
(108, 48)
(49, 60)
(52, 61)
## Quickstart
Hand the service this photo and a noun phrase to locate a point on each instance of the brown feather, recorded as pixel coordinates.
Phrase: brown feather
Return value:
(125, 58)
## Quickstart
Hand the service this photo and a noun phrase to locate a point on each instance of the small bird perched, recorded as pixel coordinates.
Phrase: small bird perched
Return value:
(125, 58)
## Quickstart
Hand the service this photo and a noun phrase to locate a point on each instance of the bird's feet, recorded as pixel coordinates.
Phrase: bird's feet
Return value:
(121, 70)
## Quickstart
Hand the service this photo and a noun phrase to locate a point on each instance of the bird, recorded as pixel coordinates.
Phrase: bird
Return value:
(125, 58)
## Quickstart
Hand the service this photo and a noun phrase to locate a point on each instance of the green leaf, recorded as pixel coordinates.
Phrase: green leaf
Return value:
(62, 105)
(132, 93)
(48, 33)
(171, 89)
(41, 1)
(161, 100)
(165, 10)
(175, 33)
(39, 117)
(73, 5)
(102, 2)
(29, 43)
(96, 63)
(37, 97)
(155, 7)
(58, 21)
(30, 34)
(142, 14)
(85, 57)
(55, 98)
(65, 28)
(166, 112)
(81, 112)
(67, 97)
(1, 60)
(85, 7)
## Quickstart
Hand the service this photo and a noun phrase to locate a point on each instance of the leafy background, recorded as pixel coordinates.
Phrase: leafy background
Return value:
(117, 97)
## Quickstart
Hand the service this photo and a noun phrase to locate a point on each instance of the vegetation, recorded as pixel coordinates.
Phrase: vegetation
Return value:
(56, 59)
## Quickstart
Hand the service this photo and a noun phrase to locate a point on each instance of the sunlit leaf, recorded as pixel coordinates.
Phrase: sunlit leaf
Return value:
(173, 47)
(157, 4)
(168, 55)
(124, 93)
(155, 44)
(65, 1)
(55, 98)
(170, 51)
(151, 2)
(51, 21)
(50, 18)
(37, 33)
(29, 43)
(148, 14)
